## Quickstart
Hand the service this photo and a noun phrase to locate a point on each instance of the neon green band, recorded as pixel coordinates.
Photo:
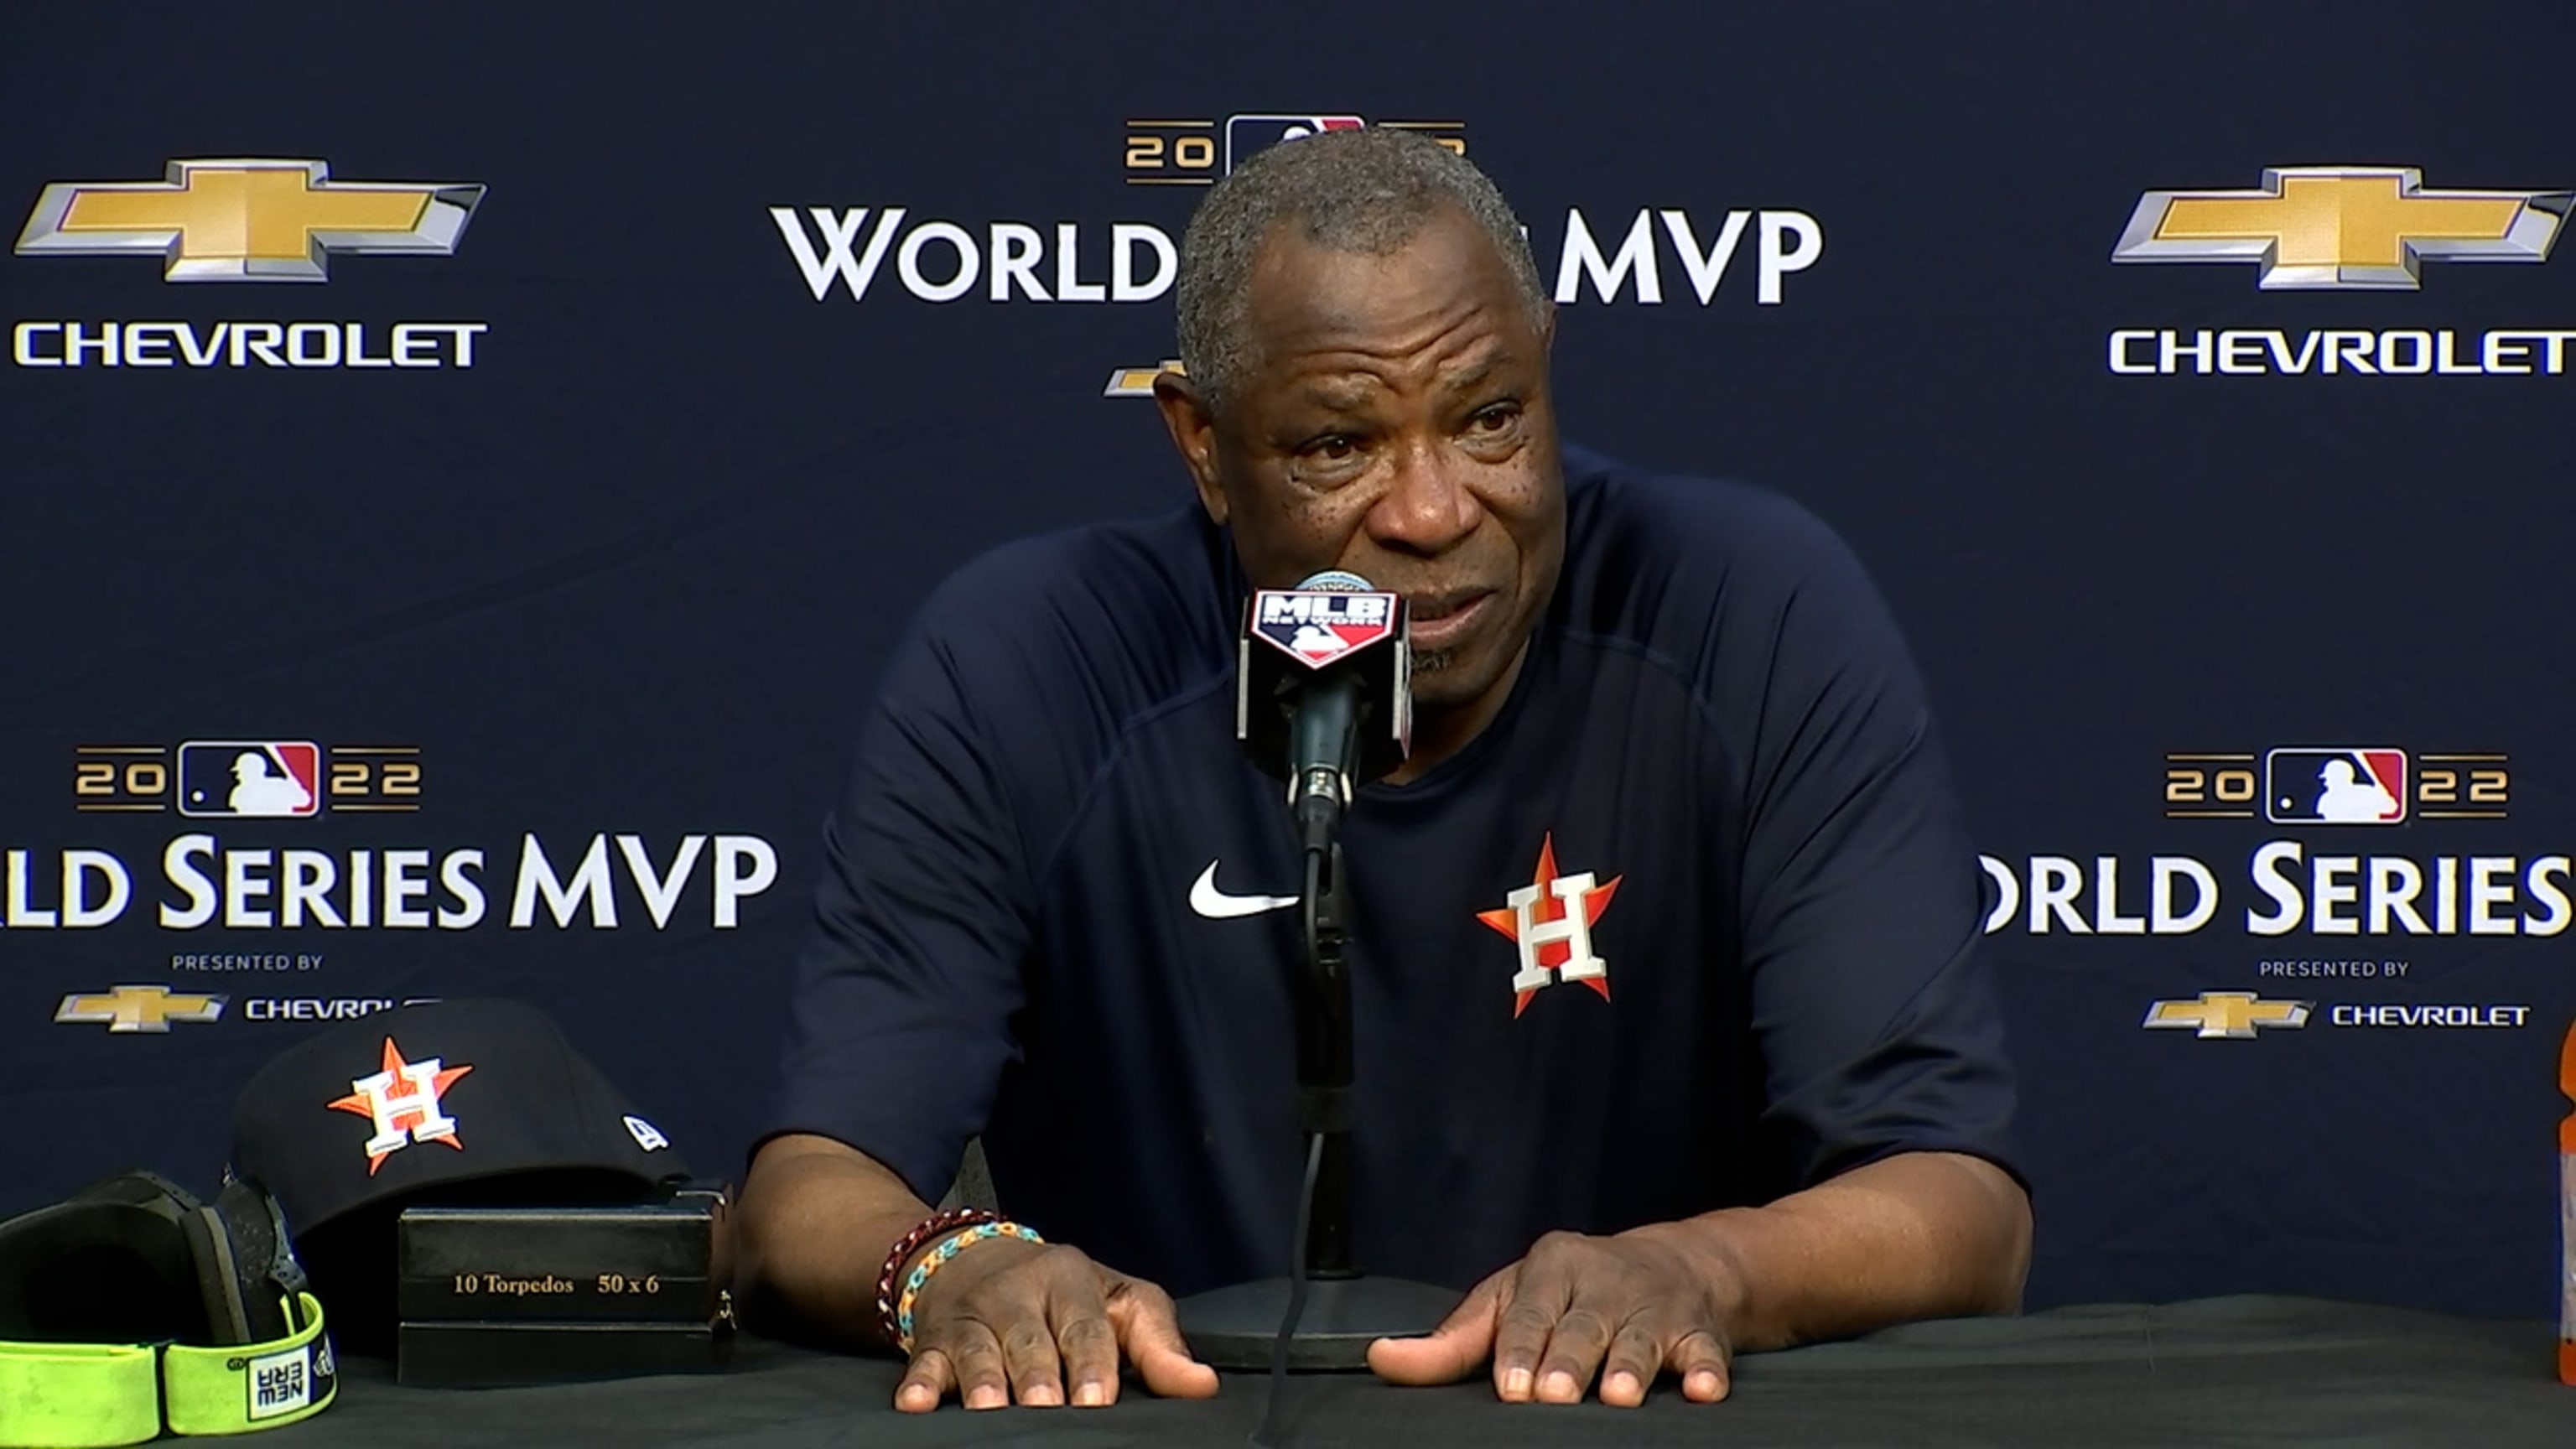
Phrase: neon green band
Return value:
(88, 1396)
(74, 1395)
(254, 1386)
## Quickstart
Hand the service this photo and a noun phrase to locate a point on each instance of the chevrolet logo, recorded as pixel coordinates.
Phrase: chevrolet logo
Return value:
(2349, 227)
(1137, 381)
(247, 221)
(138, 1008)
(2232, 1014)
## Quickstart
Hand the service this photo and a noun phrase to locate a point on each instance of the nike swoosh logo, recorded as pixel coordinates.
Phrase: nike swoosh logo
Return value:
(1216, 905)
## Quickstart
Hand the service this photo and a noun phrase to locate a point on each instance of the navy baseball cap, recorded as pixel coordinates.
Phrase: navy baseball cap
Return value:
(455, 1101)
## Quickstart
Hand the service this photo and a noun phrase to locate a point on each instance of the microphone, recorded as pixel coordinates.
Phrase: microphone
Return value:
(1323, 691)
(1323, 700)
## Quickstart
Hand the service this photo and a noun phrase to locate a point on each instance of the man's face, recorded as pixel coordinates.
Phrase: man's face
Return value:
(1393, 421)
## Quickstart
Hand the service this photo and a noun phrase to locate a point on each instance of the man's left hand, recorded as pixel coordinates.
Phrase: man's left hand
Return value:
(1624, 1308)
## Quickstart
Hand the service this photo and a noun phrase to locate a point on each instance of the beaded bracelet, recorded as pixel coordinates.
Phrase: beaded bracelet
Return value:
(922, 1232)
(949, 1247)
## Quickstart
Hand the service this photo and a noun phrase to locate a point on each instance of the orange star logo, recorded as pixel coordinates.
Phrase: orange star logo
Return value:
(402, 1101)
(1551, 920)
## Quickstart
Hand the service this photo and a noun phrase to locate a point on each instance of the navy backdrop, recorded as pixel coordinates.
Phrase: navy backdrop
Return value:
(599, 577)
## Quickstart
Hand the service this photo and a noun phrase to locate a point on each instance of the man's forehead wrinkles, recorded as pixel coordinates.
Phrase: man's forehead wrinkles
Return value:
(1352, 378)
(1472, 370)
(1362, 336)
(1337, 394)
(1459, 352)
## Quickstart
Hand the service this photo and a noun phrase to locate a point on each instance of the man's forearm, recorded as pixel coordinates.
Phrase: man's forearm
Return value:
(1917, 1235)
(816, 1220)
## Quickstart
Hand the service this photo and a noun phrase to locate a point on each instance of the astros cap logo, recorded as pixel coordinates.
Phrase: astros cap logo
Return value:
(248, 220)
(2363, 228)
(402, 1102)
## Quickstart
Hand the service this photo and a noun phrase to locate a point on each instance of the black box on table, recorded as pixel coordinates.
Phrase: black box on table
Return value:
(660, 1262)
(466, 1354)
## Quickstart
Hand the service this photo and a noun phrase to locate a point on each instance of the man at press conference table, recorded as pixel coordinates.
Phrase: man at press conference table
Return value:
(1673, 1038)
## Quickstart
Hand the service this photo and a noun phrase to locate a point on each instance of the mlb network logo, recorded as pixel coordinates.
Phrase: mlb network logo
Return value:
(2335, 786)
(1316, 627)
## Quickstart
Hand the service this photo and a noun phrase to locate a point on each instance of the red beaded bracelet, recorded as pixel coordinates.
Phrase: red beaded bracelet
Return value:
(911, 1243)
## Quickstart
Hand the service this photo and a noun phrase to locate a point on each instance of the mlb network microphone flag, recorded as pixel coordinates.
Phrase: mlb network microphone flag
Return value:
(1333, 624)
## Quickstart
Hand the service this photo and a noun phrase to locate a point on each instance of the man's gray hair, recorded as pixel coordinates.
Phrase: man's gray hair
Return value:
(1367, 191)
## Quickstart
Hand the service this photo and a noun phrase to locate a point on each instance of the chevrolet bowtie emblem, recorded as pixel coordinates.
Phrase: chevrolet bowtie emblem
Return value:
(1137, 381)
(2232, 1014)
(2353, 227)
(247, 221)
(138, 1008)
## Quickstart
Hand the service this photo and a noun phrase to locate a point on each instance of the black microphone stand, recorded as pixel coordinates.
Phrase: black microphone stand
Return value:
(1344, 1309)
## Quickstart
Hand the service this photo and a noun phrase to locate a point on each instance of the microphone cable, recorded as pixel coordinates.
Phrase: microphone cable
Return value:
(1266, 1434)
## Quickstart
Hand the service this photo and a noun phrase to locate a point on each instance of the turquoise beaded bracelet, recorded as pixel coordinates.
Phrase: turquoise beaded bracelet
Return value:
(931, 1262)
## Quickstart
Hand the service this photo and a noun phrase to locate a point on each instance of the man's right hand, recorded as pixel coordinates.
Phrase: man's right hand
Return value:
(1004, 1320)
(1009, 1321)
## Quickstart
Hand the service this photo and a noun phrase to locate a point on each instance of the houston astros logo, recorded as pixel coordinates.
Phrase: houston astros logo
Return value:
(402, 1100)
(1550, 920)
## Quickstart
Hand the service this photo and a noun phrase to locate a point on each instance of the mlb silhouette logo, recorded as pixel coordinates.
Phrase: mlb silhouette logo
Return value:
(1245, 134)
(2345, 786)
(250, 779)
(1316, 627)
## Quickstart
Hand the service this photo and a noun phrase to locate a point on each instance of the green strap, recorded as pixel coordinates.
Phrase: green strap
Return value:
(75, 1395)
(256, 1386)
(88, 1396)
